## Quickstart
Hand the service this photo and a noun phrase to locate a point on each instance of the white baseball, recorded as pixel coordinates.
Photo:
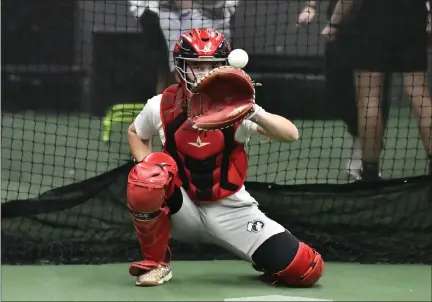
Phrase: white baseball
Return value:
(238, 58)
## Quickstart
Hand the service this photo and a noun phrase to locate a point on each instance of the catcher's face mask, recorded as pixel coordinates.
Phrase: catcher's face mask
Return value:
(194, 70)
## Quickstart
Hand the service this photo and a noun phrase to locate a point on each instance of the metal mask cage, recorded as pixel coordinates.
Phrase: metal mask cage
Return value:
(182, 68)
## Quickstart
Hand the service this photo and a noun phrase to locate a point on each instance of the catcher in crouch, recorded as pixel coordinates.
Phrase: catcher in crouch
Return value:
(194, 190)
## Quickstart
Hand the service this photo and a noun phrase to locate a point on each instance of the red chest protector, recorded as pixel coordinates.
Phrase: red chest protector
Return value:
(212, 165)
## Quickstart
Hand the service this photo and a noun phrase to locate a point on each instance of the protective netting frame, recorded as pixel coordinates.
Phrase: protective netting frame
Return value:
(343, 222)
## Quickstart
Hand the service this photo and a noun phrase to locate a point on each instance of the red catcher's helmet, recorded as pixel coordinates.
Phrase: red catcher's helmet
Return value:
(199, 45)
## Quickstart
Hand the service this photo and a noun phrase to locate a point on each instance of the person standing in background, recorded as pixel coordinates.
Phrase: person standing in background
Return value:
(388, 36)
(382, 38)
(339, 80)
(178, 16)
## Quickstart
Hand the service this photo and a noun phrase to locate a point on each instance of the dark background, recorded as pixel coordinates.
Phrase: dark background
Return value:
(69, 55)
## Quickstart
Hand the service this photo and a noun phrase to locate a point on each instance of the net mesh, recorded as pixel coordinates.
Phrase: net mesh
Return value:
(76, 73)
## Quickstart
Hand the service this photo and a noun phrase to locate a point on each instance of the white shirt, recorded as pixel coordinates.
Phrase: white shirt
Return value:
(148, 123)
(138, 7)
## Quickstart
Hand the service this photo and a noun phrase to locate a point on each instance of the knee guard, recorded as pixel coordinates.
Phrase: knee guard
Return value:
(306, 268)
(150, 184)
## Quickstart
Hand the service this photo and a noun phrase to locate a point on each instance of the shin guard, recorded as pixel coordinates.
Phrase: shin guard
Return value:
(305, 270)
(150, 184)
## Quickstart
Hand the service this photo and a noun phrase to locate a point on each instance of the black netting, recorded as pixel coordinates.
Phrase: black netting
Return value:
(69, 67)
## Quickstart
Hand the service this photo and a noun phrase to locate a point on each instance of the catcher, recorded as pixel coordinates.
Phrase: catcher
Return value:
(194, 190)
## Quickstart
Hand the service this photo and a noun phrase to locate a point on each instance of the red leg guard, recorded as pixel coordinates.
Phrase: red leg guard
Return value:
(305, 270)
(153, 236)
(150, 183)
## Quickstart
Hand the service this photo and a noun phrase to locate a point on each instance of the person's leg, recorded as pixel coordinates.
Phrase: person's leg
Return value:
(371, 62)
(185, 226)
(149, 184)
(242, 228)
(417, 87)
(370, 123)
(341, 94)
(372, 44)
(186, 223)
(416, 84)
(159, 210)
(399, 46)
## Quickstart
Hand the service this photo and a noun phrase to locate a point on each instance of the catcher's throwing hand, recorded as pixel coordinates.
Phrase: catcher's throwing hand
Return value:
(222, 98)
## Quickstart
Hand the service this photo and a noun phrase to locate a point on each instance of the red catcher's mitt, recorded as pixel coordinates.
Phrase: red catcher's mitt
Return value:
(222, 98)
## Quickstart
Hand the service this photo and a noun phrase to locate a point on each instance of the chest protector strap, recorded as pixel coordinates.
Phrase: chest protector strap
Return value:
(173, 116)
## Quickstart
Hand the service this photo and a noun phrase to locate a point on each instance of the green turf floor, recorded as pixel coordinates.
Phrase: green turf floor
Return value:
(213, 280)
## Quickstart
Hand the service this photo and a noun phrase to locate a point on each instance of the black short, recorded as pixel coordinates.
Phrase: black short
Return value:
(407, 54)
(340, 84)
(339, 71)
(389, 36)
